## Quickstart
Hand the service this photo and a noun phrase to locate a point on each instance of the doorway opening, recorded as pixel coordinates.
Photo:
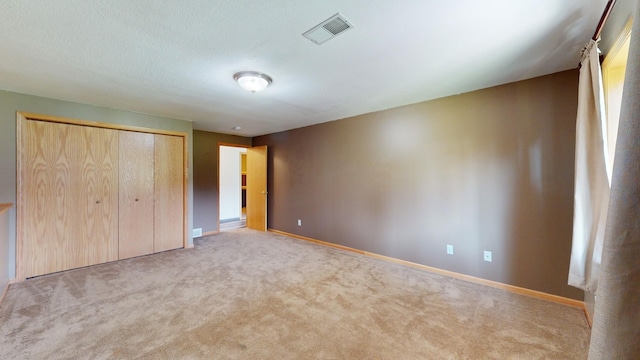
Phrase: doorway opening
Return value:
(242, 187)
(232, 174)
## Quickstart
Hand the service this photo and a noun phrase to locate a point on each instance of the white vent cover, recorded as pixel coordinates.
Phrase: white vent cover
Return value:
(328, 29)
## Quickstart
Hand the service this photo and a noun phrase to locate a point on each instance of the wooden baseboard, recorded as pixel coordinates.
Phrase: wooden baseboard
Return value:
(515, 289)
(346, 248)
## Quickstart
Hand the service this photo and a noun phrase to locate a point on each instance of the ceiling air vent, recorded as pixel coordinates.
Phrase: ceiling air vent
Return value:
(328, 29)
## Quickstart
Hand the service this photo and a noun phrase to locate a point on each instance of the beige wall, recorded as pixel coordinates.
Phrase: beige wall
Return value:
(205, 172)
(486, 170)
(10, 103)
(4, 248)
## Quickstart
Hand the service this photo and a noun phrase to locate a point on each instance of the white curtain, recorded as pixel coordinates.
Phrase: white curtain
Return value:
(616, 323)
(591, 197)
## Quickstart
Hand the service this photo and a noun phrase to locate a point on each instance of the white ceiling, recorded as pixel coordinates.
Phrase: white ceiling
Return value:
(176, 58)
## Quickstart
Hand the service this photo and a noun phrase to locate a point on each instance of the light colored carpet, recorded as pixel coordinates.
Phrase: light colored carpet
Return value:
(249, 295)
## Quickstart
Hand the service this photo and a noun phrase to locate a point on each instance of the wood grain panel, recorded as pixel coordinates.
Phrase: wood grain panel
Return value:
(136, 155)
(257, 188)
(98, 195)
(69, 196)
(68, 212)
(168, 180)
(49, 202)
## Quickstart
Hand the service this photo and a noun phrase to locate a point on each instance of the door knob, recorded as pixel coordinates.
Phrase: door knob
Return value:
(97, 201)
(264, 193)
(136, 200)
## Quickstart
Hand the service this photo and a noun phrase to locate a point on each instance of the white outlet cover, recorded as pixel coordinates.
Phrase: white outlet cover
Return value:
(299, 222)
(450, 249)
(487, 256)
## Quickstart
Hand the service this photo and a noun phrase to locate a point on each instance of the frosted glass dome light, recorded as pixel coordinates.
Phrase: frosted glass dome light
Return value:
(252, 80)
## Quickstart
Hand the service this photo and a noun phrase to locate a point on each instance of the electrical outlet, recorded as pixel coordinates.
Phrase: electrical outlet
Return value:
(487, 256)
(299, 222)
(450, 249)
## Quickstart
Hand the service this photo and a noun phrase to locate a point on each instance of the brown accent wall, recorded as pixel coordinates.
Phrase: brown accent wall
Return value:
(205, 176)
(486, 170)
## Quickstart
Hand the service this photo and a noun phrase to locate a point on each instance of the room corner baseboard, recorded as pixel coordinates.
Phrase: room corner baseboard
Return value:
(511, 288)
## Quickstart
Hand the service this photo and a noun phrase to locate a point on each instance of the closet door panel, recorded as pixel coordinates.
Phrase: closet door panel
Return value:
(98, 195)
(49, 199)
(169, 192)
(89, 195)
(136, 158)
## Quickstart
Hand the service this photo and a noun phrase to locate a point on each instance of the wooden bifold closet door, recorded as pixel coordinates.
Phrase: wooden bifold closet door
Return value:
(151, 193)
(136, 194)
(169, 192)
(89, 193)
(69, 199)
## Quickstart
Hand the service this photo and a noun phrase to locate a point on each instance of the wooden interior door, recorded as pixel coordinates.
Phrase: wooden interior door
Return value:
(136, 198)
(68, 188)
(169, 193)
(257, 188)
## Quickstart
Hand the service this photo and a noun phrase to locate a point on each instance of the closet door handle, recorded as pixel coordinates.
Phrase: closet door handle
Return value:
(97, 201)
(136, 199)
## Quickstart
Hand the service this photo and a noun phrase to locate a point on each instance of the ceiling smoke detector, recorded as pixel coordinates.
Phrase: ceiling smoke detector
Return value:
(328, 29)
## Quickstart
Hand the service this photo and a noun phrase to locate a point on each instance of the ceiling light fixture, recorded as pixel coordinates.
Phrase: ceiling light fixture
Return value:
(252, 80)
